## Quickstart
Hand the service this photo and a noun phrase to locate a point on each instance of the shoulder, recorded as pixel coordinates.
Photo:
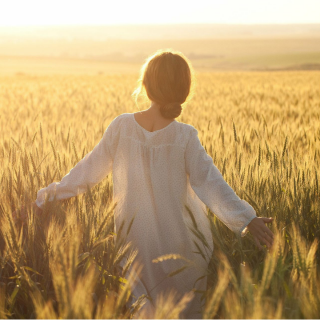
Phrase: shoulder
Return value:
(187, 129)
(185, 133)
(118, 121)
(120, 118)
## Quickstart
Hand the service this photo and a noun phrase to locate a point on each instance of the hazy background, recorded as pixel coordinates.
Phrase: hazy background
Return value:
(93, 37)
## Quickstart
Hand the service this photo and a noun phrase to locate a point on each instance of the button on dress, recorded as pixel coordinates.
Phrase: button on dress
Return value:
(156, 176)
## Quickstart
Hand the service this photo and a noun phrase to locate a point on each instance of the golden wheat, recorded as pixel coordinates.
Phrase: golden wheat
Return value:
(262, 131)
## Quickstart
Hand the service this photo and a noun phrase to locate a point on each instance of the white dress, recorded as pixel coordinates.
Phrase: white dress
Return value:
(155, 175)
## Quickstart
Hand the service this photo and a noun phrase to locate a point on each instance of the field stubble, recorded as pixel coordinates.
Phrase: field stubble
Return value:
(263, 133)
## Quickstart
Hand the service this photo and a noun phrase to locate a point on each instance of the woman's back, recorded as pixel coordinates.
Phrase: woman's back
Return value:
(151, 185)
(152, 120)
(156, 175)
(150, 176)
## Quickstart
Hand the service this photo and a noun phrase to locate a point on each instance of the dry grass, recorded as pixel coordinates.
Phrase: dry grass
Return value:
(263, 132)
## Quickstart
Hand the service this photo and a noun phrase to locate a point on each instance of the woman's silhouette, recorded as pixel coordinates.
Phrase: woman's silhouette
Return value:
(159, 169)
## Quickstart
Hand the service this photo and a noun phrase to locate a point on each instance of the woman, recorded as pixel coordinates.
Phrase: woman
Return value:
(159, 170)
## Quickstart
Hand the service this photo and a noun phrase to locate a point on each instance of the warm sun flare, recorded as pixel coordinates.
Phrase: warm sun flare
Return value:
(64, 12)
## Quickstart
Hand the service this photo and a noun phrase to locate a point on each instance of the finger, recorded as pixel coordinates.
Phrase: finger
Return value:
(257, 243)
(268, 238)
(268, 231)
(263, 239)
(267, 220)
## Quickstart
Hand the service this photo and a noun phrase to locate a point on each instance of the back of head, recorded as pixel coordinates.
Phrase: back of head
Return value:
(166, 77)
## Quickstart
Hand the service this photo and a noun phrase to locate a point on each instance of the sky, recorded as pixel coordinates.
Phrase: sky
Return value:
(106, 12)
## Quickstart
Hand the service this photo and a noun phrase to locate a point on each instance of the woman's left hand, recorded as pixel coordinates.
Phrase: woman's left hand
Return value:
(23, 212)
(260, 232)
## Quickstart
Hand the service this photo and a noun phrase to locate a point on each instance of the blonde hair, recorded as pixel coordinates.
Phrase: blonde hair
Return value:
(167, 78)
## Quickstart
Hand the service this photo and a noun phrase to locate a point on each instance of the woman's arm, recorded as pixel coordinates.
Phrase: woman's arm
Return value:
(209, 185)
(88, 172)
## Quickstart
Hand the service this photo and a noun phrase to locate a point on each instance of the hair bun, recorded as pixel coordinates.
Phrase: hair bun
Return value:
(171, 110)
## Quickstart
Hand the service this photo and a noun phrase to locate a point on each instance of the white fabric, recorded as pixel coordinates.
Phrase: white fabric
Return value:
(155, 174)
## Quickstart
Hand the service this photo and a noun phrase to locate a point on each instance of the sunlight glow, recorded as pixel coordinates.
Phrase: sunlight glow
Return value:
(105, 12)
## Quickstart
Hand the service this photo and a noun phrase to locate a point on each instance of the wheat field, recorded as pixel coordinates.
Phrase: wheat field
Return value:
(262, 130)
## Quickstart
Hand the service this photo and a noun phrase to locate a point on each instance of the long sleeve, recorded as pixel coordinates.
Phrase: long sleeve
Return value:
(209, 185)
(88, 172)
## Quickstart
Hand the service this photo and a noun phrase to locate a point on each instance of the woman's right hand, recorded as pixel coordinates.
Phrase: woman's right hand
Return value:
(260, 232)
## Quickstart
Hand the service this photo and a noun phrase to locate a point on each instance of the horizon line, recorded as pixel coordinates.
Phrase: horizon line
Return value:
(163, 24)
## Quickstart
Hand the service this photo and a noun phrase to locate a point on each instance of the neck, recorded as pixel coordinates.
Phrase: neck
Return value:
(154, 109)
(153, 112)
